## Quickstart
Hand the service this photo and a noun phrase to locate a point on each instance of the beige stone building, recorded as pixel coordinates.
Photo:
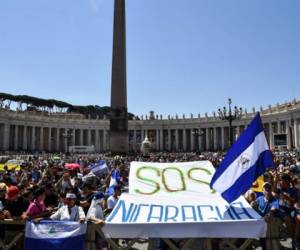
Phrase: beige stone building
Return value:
(54, 132)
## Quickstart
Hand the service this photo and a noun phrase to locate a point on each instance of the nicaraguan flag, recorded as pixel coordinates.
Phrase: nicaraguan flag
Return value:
(114, 181)
(59, 235)
(99, 168)
(245, 161)
(115, 178)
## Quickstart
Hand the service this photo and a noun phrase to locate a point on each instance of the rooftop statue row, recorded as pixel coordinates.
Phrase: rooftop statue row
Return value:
(270, 109)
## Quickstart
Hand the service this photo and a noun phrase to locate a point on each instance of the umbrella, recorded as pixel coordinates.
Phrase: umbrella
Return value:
(72, 166)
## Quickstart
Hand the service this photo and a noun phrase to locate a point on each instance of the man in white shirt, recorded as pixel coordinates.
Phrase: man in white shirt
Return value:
(70, 211)
(113, 199)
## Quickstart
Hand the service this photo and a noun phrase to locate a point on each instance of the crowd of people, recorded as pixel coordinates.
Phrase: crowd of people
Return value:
(278, 200)
(43, 188)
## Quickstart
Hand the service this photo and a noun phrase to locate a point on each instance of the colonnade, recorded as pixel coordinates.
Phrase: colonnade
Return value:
(211, 138)
(23, 132)
(51, 139)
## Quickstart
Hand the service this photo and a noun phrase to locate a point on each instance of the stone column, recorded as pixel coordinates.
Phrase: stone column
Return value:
(57, 146)
(215, 139)
(184, 139)
(104, 140)
(134, 140)
(64, 138)
(271, 135)
(223, 138)
(169, 140)
(192, 140)
(81, 137)
(142, 135)
(156, 139)
(16, 138)
(296, 133)
(49, 139)
(33, 139)
(161, 138)
(6, 136)
(176, 139)
(41, 142)
(24, 147)
(288, 134)
(97, 141)
(73, 142)
(207, 139)
(200, 140)
(89, 138)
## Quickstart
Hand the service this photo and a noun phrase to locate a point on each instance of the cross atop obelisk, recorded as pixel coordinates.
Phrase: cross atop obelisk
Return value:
(118, 118)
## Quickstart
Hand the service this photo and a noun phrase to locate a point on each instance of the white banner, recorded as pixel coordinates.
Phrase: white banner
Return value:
(184, 178)
(173, 200)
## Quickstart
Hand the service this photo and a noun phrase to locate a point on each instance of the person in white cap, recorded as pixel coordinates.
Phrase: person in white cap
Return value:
(70, 211)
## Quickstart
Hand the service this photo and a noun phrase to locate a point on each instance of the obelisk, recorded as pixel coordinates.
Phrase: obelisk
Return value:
(118, 117)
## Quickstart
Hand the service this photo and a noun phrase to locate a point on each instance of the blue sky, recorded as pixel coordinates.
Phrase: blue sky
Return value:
(183, 56)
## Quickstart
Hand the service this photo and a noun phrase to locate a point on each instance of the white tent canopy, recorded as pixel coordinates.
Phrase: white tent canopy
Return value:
(173, 200)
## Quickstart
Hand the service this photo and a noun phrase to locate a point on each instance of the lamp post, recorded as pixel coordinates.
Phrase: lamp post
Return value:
(67, 135)
(230, 116)
(197, 133)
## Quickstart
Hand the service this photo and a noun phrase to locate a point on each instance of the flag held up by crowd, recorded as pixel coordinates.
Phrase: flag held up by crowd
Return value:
(114, 181)
(246, 160)
(99, 168)
(48, 235)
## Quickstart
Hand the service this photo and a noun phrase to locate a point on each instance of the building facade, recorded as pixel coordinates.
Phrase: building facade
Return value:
(54, 132)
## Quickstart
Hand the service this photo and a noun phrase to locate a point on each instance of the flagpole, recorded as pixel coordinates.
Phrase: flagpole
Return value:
(268, 141)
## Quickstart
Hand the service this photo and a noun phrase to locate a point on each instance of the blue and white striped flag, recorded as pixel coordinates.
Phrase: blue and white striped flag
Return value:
(115, 178)
(114, 181)
(60, 235)
(245, 161)
(99, 168)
